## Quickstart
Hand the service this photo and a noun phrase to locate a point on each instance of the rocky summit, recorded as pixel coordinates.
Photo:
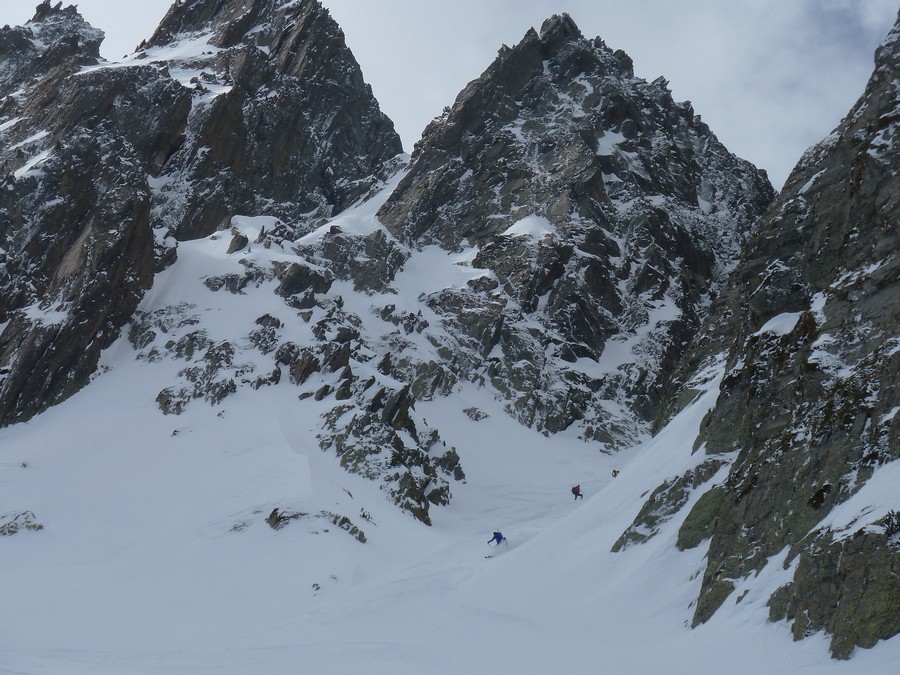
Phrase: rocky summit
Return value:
(107, 165)
(607, 214)
(568, 270)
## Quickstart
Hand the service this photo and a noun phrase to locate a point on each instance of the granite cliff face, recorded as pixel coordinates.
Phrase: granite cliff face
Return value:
(106, 165)
(807, 412)
(76, 242)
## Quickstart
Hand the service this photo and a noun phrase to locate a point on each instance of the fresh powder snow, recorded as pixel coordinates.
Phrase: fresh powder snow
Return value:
(155, 555)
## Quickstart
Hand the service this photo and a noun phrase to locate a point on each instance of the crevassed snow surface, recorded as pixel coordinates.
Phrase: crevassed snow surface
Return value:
(155, 557)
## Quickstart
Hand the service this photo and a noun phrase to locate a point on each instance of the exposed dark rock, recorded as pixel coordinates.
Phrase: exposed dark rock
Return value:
(265, 339)
(286, 353)
(449, 463)
(665, 501)
(596, 201)
(370, 262)
(396, 410)
(77, 227)
(475, 414)
(344, 523)
(233, 283)
(849, 587)
(53, 38)
(345, 389)
(807, 331)
(299, 278)
(78, 213)
(336, 356)
(698, 526)
(278, 519)
(238, 243)
(269, 321)
(173, 400)
(289, 87)
(272, 378)
(11, 523)
(303, 365)
(364, 434)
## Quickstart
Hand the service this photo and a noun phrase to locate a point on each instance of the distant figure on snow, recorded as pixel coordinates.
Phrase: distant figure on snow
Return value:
(576, 490)
(615, 472)
(497, 538)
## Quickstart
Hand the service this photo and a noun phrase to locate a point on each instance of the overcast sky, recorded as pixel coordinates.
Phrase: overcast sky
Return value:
(770, 77)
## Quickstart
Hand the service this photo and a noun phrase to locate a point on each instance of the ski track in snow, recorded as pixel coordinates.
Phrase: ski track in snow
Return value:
(155, 557)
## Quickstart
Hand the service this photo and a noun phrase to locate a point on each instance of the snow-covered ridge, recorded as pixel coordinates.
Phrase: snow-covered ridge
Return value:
(190, 60)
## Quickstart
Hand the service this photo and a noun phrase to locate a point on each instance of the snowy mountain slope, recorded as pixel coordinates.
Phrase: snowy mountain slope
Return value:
(155, 554)
(222, 495)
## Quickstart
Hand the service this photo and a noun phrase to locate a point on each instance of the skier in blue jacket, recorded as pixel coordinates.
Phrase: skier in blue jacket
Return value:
(498, 537)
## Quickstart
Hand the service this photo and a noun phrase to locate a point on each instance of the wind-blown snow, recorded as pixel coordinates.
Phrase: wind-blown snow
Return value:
(782, 324)
(155, 556)
(32, 164)
(870, 504)
(533, 226)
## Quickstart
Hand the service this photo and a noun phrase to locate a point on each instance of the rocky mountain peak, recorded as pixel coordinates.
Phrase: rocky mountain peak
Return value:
(300, 36)
(558, 28)
(53, 38)
(551, 89)
(629, 203)
(169, 144)
(59, 28)
(322, 139)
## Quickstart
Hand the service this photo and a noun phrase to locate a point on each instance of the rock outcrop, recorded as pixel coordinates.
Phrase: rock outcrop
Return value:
(809, 401)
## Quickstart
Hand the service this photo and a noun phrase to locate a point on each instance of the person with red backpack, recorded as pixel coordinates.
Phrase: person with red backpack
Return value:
(576, 490)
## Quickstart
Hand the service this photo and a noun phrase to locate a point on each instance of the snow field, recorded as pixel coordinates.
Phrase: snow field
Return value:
(155, 556)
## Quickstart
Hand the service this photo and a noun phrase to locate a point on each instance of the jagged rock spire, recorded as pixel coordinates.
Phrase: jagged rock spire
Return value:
(53, 38)
(642, 205)
(315, 145)
(559, 28)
